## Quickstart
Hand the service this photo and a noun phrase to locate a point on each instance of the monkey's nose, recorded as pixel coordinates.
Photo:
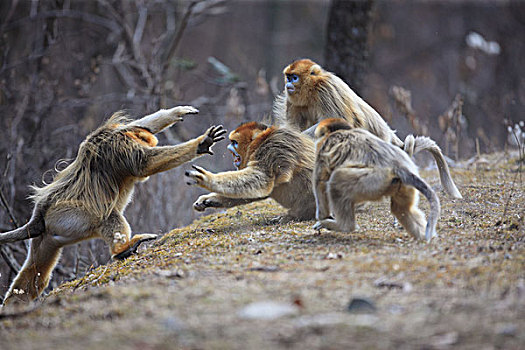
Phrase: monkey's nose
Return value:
(290, 88)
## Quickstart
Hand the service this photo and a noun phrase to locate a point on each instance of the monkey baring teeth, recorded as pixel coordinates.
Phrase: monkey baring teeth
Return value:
(232, 147)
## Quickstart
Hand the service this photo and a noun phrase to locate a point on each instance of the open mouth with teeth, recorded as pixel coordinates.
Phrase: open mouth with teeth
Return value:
(236, 156)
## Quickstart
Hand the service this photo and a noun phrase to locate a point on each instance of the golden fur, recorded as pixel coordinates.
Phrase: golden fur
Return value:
(87, 199)
(274, 162)
(316, 94)
(354, 166)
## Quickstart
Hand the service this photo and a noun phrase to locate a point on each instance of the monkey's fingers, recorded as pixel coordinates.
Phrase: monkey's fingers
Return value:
(317, 226)
(182, 110)
(194, 178)
(199, 169)
(215, 131)
(200, 205)
(191, 182)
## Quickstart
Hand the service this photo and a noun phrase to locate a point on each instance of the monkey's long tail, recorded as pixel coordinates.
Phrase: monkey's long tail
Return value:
(422, 143)
(412, 179)
(34, 228)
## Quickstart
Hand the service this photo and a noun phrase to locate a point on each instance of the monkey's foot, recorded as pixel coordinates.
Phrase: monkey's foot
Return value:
(331, 224)
(276, 220)
(133, 245)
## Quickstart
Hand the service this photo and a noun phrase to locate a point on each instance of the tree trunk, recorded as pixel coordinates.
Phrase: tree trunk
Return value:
(346, 50)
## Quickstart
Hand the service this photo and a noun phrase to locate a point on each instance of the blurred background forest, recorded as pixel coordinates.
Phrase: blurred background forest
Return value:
(450, 69)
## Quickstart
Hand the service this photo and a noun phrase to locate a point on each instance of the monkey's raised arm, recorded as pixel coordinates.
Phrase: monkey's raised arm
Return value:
(249, 182)
(163, 118)
(167, 157)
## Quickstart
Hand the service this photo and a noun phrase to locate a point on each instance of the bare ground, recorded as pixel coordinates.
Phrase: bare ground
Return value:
(199, 287)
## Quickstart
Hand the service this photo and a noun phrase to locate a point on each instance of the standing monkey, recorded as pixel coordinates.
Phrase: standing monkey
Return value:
(354, 166)
(87, 199)
(312, 94)
(271, 162)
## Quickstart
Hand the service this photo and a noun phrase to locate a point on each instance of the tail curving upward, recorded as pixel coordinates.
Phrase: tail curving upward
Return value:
(422, 143)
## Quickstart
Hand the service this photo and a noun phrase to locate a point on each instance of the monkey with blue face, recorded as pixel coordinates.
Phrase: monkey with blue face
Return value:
(271, 162)
(312, 94)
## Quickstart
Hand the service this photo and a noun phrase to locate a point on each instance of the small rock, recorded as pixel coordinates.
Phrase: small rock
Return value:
(507, 329)
(332, 256)
(172, 324)
(361, 305)
(267, 310)
(446, 339)
(171, 274)
(407, 287)
(265, 268)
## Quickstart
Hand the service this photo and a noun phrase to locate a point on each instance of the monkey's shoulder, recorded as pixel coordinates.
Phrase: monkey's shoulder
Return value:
(284, 149)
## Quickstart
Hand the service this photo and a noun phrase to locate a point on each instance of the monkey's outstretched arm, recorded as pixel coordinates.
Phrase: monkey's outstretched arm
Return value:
(249, 182)
(163, 118)
(215, 200)
(167, 157)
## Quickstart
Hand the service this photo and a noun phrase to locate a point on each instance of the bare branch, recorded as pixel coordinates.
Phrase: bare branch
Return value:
(5, 21)
(141, 23)
(8, 209)
(9, 259)
(173, 45)
(403, 102)
(83, 16)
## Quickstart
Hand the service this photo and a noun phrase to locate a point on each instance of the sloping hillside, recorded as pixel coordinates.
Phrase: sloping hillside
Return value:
(238, 280)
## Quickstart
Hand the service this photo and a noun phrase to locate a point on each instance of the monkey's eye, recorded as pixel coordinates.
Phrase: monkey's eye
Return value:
(293, 78)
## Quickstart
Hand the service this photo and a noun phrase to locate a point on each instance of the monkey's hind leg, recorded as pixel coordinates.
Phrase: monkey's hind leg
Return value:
(34, 276)
(117, 234)
(404, 207)
(351, 185)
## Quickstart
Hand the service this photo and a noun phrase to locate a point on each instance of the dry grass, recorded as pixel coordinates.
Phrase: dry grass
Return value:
(465, 289)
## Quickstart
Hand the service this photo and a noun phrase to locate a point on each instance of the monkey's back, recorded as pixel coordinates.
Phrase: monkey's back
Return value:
(361, 147)
(105, 159)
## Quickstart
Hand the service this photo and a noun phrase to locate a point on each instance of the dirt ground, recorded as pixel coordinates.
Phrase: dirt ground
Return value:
(237, 280)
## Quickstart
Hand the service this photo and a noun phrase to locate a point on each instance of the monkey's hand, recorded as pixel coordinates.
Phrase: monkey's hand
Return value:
(199, 176)
(211, 136)
(206, 201)
(163, 118)
(183, 110)
(176, 113)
